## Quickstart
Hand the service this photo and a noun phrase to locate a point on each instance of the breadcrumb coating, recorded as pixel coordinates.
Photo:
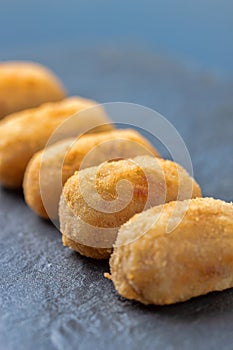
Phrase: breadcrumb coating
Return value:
(25, 85)
(97, 201)
(155, 265)
(24, 133)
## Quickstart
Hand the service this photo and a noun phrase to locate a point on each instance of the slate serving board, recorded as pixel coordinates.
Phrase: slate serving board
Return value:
(51, 297)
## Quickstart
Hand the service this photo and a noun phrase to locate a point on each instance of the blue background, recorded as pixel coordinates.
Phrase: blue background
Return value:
(197, 32)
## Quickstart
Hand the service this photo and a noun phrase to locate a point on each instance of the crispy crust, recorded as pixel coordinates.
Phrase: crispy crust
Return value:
(94, 253)
(24, 133)
(62, 159)
(26, 85)
(45, 181)
(196, 257)
(90, 210)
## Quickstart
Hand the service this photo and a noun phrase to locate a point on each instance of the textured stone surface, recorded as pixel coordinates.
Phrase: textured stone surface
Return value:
(52, 298)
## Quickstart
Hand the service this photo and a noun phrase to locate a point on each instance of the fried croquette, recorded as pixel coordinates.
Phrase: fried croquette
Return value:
(26, 85)
(157, 265)
(49, 169)
(24, 133)
(97, 201)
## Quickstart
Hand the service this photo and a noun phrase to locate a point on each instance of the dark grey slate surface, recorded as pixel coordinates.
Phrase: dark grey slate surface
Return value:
(52, 298)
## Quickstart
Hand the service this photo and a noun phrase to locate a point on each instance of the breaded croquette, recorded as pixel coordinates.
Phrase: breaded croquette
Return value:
(25, 85)
(97, 201)
(24, 133)
(157, 265)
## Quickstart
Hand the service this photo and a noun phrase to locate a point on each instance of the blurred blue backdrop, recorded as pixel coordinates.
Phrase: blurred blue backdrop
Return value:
(196, 31)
